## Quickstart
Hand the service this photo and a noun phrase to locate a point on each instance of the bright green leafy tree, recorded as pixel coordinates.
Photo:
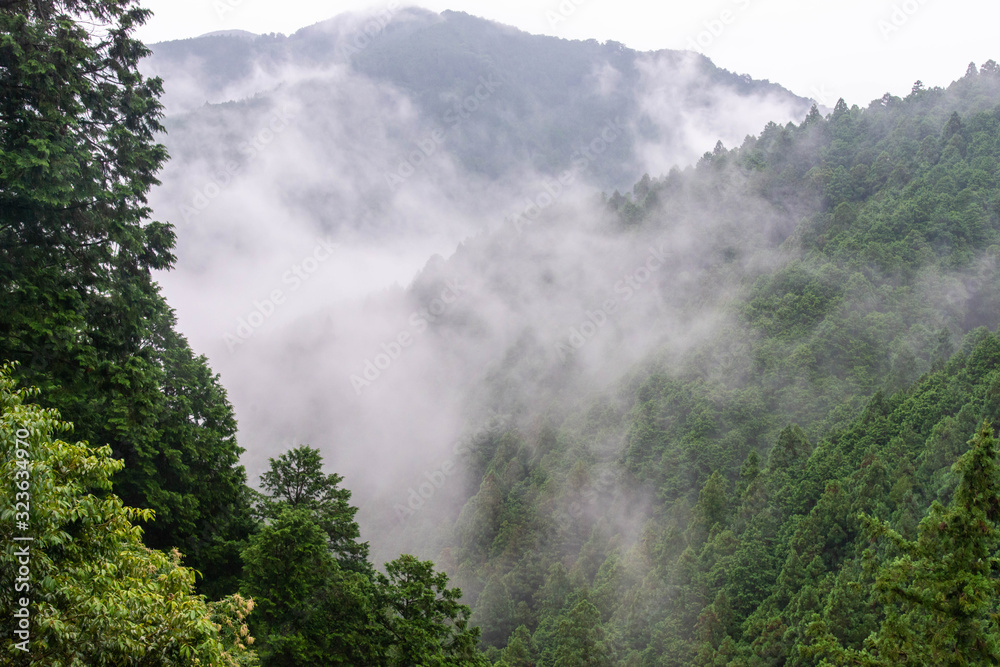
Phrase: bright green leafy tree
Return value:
(95, 594)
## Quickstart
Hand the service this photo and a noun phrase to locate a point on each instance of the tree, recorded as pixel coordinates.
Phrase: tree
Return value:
(953, 127)
(426, 623)
(296, 481)
(319, 599)
(581, 638)
(791, 450)
(78, 305)
(92, 592)
(712, 505)
(940, 592)
(495, 612)
(309, 610)
(520, 650)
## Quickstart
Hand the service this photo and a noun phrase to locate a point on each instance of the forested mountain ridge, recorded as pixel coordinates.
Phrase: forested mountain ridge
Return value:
(757, 449)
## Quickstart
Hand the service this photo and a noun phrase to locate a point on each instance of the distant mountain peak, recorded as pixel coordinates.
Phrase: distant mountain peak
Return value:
(240, 34)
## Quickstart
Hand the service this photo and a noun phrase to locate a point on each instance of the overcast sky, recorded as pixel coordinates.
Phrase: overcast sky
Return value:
(856, 49)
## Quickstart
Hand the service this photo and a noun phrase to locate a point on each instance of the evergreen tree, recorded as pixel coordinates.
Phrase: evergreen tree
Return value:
(940, 592)
(424, 618)
(309, 610)
(520, 650)
(581, 641)
(78, 305)
(296, 481)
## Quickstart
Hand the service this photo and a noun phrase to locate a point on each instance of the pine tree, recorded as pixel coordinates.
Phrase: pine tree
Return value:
(940, 592)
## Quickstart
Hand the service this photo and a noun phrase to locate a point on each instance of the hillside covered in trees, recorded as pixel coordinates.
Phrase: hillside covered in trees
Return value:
(801, 469)
(768, 453)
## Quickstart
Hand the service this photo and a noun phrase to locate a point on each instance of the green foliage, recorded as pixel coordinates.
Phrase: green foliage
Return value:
(520, 650)
(309, 610)
(711, 509)
(296, 481)
(643, 528)
(319, 601)
(580, 640)
(940, 592)
(427, 623)
(78, 306)
(96, 595)
(844, 383)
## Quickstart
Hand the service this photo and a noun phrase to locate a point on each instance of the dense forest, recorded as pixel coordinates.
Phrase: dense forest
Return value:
(813, 483)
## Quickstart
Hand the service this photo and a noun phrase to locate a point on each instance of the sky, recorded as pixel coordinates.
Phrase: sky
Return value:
(855, 49)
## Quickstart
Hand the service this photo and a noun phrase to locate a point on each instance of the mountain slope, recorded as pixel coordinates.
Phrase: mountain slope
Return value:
(685, 504)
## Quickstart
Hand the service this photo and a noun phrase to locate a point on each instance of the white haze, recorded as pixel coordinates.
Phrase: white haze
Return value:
(321, 178)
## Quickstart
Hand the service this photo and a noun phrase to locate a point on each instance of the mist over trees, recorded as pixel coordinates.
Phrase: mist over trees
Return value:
(737, 413)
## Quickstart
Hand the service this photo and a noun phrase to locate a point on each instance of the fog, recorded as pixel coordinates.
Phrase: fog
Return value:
(360, 288)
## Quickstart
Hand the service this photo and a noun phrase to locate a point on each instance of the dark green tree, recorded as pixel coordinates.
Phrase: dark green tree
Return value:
(296, 481)
(520, 650)
(78, 305)
(309, 610)
(580, 638)
(425, 621)
(940, 592)
(712, 501)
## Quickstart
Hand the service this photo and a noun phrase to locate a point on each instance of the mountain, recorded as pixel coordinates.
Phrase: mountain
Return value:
(347, 134)
(415, 130)
(542, 97)
(639, 415)
(819, 346)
